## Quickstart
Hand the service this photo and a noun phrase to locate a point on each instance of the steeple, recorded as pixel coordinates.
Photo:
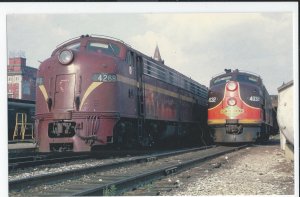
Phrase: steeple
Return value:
(157, 56)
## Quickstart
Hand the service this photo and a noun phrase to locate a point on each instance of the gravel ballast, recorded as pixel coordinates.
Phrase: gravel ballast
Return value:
(256, 170)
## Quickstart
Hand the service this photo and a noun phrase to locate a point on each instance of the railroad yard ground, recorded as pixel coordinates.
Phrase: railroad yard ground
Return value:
(255, 170)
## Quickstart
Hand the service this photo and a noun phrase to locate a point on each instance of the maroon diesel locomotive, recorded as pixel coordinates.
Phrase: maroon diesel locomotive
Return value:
(97, 90)
(240, 108)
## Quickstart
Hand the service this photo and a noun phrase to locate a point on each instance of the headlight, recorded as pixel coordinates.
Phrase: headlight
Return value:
(231, 101)
(65, 57)
(231, 85)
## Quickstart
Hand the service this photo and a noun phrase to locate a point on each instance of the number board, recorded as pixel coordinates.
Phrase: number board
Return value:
(105, 77)
(254, 98)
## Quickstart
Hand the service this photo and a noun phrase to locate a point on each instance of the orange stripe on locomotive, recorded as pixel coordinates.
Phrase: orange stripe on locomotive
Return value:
(232, 106)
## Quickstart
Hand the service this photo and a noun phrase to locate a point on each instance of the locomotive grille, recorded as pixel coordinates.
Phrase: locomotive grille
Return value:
(61, 129)
(232, 121)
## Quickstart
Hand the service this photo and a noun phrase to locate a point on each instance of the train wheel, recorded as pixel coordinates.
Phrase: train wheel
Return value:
(124, 135)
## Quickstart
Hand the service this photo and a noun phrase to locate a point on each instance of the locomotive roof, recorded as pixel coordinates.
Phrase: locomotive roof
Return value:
(236, 72)
(235, 76)
(162, 64)
(92, 36)
(115, 40)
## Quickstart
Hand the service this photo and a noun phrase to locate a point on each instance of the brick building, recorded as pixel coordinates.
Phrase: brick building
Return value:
(21, 79)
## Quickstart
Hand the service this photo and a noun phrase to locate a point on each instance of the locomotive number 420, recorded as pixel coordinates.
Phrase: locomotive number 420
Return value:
(104, 77)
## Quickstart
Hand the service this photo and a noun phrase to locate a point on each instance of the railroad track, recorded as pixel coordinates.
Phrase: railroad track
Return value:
(26, 160)
(41, 159)
(117, 177)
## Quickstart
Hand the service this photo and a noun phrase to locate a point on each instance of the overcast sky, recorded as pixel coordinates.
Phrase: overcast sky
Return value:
(200, 45)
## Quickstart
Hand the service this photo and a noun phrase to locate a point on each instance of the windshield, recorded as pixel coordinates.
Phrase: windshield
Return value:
(74, 47)
(247, 78)
(222, 79)
(106, 48)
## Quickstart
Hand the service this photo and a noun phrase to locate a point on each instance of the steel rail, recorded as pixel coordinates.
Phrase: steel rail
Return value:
(124, 184)
(31, 161)
(69, 174)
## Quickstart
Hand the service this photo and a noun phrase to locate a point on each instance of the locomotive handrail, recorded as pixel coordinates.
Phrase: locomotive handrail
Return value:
(22, 126)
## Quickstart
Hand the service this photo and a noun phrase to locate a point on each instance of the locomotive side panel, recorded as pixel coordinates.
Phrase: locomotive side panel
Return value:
(126, 96)
(187, 106)
(127, 87)
(178, 97)
(166, 99)
(151, 98)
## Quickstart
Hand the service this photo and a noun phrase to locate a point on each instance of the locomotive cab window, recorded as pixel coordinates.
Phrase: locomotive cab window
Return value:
(247, 79)
(74, 47)
(220, 80)
(106, 48)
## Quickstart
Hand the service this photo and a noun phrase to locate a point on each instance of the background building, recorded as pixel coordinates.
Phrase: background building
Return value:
(21, 78)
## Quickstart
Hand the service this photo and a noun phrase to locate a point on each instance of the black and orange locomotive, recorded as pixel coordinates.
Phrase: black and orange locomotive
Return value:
(96, 91)
(240, 108)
